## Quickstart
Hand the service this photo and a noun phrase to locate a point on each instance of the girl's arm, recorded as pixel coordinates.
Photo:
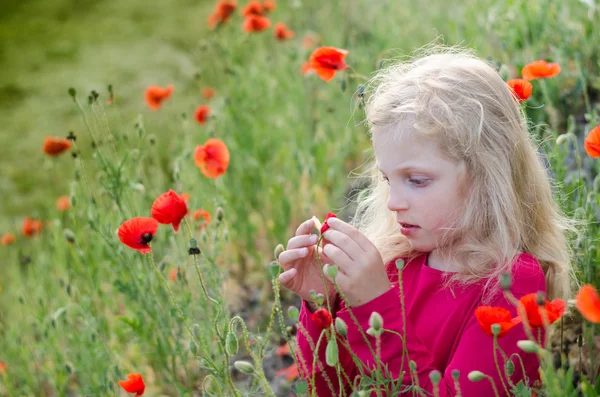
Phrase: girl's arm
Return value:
(474, 349)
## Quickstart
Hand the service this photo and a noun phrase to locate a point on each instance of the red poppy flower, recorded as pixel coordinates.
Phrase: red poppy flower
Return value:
(208, 92)
(212, 158)
(291, 373)
(202, 113)
(203, 216)
(269, 5)
(31, 227)
(521, 87)
(2, 368)
(554, 310)
(222, 13)
(592, 143)
(487, 316)
(283, 350)
(168, 208)
(325, 225)
(136, 233)
(326, 61)
(133, 384)
(173, 275)
(256, 23)
(253, 8)
(7, 239)
(155, 95)
(322, 318)
(282, 32)
(55, 146)
(540, 70)
(588, 303)
(63, 203)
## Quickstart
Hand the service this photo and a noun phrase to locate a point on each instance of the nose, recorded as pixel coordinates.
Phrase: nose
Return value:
(397, 200)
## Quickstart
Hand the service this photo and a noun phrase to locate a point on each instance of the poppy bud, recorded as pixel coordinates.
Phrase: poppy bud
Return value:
(231, 344)
(194, 250)
(69, 289)
(399, 264)
(539, 298)
(506, 281)
(374, 333)
(138, 187)
(220, 214)
(313, 295)
(376, 321)
(301, 387)
(509, 368)
(496, 328)
(293, 313)
(528, 346)
(476, 376)
(193, 347)
(435, 377)
(93, 337)
(455, 374)
(196, 330)
(161, 266)
(21, 300)
(563, 138)
(343, 85)
(72, 92)
(69, 235)
(68, 368)
(332, 271)
(412, 365)
(274, 269)
(320, 299)
(341, 327)
(244, 366)
(278, 250)
(331, 352)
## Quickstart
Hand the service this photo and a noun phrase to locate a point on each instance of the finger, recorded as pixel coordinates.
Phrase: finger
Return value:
(324, 258)
(286, 277)
(349, 230)
(286, 258)
(340, 258)
(304, 240)
(305, 227)
(345, 243)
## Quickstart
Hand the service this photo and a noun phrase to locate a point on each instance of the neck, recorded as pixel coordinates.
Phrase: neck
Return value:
(435, 261)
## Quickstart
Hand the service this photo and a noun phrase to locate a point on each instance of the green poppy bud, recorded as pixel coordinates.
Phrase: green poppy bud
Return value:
(506, 281)
(528, 346)
(332, 271)
(293, 313)
(244, 366)
(231, 344)
(435, 377)
(476, 376)
(341, 327)
(399, 264)
(496, 328)
(278, 250)
(331, 352)
(376, 321)
(509, 368)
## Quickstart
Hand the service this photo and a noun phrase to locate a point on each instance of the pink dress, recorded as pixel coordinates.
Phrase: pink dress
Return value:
(442, 332)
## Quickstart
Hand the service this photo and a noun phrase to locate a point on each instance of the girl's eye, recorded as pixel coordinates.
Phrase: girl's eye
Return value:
(418, 182)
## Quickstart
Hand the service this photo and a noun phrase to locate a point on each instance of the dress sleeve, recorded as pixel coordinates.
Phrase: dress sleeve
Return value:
(474, 349)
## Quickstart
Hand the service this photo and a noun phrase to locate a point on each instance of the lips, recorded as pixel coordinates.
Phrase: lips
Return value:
(407, 225)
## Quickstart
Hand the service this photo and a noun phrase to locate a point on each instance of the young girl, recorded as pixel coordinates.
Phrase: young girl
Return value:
(459, 194)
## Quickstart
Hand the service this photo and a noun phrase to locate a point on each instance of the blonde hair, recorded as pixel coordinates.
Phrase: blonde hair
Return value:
(453, 96)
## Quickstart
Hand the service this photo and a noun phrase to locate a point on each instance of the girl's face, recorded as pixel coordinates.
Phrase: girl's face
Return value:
(425, 189)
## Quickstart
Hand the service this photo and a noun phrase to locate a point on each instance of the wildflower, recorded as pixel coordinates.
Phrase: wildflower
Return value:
(7, 239)
(325, 225)
(173, 275)
(592, 143)
(31, 227)
(203, 216)
(201, 114)
(521, 87)
(326, 61)
(269, 5)
(291, 373)
(133, 384)
(55, 146)
(208, 92)
(322, 318)
(253, 8)
(554, 310)
(540, 70)
(588, 303)
(2, 368)
(256, 23)
(282, 32)
(155, 95)
(63, 203)
(283, 350)
(222, 13)
(136, 233)
(487, 316)
(212, 158)
(168, 208)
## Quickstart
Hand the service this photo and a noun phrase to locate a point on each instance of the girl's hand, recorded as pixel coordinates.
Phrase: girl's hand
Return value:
(302, 271)
(361, 276)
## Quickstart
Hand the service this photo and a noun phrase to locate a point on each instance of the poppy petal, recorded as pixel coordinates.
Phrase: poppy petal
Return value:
(588, 303)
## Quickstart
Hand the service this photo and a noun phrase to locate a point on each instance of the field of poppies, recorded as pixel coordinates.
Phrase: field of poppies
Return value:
(153, 157)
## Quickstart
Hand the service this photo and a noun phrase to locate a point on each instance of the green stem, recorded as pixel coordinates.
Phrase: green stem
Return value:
(200, 278)
(498, 366)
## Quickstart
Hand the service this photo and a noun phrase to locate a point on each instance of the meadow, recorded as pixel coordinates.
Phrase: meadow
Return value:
(135, 92)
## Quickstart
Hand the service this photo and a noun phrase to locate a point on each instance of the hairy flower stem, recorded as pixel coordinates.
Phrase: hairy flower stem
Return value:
(189, 229)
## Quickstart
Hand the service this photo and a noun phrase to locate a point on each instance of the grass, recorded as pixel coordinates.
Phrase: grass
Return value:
(94, 310)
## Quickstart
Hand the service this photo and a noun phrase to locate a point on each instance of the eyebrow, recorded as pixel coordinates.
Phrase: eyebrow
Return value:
(408, 167)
